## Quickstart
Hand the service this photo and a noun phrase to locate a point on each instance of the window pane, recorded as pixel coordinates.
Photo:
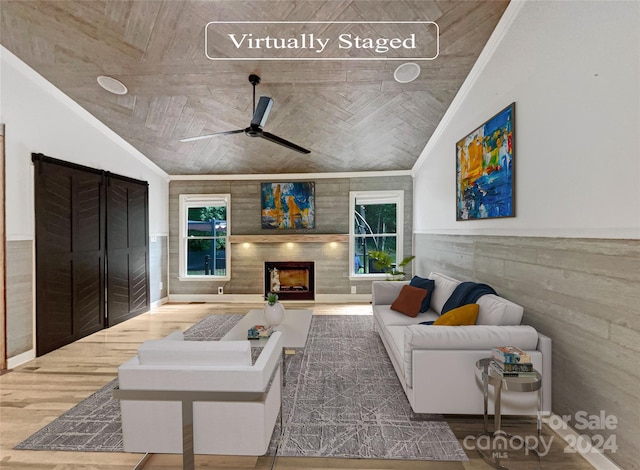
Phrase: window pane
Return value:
(364, 262)
(221, 228)
(207, 221)
(374, 218)
(206, 257)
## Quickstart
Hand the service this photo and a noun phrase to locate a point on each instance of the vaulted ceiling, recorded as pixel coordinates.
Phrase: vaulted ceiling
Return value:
(352, 115)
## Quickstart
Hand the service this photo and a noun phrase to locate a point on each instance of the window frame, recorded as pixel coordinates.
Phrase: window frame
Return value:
(381, 197)
(186, 202)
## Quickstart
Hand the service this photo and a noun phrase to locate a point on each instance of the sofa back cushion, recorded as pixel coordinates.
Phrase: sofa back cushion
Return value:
(426, 284)
(474, 337)
(477, 337)
(195, 353)
(495, 310)
(444, 287)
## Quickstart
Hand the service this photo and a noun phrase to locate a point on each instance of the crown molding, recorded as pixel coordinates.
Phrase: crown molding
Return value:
(292, 176)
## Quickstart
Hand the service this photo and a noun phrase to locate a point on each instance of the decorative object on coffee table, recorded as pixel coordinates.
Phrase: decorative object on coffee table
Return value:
(259, 332)
(274, 310)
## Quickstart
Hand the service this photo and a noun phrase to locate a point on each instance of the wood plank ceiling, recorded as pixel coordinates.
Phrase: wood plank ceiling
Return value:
(352, 115)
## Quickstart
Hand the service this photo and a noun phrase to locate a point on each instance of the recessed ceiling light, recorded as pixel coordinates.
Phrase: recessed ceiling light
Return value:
(112, 85)
(406, 73)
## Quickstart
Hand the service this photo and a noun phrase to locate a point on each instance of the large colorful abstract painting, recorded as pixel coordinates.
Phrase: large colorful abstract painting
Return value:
(288, 205)
(484, 169)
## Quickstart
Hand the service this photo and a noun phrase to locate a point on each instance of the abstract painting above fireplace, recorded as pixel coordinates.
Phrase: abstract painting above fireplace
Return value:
(291, 280)
(289, 205)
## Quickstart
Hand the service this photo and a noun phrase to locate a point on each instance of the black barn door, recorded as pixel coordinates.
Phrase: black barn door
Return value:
(70, 238)
(127, 249)
(91, 241)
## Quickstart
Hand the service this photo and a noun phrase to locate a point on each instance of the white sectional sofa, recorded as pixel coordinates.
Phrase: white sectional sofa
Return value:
(436, 364)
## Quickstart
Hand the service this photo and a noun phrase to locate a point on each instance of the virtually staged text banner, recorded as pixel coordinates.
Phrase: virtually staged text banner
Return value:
(321, 40)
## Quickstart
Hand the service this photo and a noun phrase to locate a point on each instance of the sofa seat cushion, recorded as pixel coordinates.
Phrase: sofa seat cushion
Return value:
(473, 337)
(195, 353)
(395, 338)
(387, 317)
(469, 337)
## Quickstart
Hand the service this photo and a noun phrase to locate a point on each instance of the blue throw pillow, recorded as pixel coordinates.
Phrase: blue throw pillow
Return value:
(426, 322)
(428, 285)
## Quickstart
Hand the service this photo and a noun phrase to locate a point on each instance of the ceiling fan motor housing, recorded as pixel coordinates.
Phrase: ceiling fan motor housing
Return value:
(253, 131)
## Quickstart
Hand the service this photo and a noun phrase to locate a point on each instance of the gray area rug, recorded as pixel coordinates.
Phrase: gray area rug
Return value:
(342, 399)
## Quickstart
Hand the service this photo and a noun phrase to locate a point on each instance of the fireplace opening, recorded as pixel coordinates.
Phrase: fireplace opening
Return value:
(291, 280)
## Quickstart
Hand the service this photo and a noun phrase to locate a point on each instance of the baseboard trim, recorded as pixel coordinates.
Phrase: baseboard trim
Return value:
(258, 298)
(593, 455)
(343, 298)
(20, 359)
(216, 298)
(159, 302)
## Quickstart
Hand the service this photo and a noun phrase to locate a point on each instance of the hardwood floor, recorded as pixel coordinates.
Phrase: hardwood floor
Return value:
(37, 392)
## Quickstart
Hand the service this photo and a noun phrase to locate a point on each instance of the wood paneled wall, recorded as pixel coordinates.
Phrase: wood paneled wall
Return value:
(247, 262)
(20, 305)
(585, 295)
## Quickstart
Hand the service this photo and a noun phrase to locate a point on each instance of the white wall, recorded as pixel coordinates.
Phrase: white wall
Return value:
(572, 67)
(40, 118)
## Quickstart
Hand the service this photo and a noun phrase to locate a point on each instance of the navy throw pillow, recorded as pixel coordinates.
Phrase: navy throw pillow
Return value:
(428, 285)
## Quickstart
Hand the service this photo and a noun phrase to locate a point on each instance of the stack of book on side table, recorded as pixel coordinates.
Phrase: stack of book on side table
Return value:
(510, 361)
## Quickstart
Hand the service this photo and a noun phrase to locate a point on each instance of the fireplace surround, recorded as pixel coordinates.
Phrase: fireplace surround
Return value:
(291, 280)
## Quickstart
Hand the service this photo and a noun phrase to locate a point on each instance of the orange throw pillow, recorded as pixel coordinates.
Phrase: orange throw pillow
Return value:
(465, 315)
(409, 301)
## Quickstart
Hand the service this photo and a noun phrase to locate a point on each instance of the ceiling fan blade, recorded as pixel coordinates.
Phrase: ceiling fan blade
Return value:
(261, 113)
(281, 141)
(207, 136)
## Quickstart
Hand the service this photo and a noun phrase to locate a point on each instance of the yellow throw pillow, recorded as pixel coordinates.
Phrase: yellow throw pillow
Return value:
(465, 315)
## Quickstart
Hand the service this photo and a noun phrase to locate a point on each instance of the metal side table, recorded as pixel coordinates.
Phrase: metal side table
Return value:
(514, 384)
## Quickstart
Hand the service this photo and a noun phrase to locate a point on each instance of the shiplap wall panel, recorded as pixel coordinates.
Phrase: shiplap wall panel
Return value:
(585, 295)
(19, 259)
(247, 262)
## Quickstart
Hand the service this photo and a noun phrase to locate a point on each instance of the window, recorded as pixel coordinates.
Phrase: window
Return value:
(204, 236)
(375, 232)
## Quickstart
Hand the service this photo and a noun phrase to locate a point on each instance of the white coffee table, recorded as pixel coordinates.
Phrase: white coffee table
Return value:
(294, 327)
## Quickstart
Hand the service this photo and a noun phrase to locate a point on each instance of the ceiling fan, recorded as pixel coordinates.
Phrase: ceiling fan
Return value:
(260, 114)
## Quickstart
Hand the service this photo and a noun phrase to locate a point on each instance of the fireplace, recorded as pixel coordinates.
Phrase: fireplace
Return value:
(291, 280)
